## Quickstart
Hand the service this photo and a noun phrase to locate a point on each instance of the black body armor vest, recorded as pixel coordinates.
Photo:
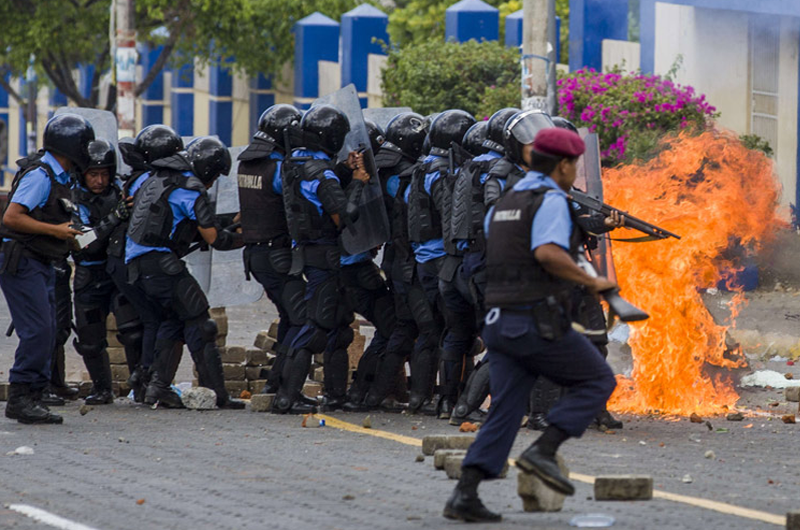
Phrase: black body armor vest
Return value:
(505, 170)
(99, 206)
(57, 210)
(514, 277)
(469, 210)
(263, 215)
(151, 219)
(305, 223)
(424, 220)
(116, 241)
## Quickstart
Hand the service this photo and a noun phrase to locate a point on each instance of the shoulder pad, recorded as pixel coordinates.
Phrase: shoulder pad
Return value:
(501, 169)
(258, 148)
(440, 164)
(388, 156)
(176, 162)
(193, 184)
(314, 169)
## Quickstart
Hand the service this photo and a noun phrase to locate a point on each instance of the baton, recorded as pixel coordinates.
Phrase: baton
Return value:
(10, 330)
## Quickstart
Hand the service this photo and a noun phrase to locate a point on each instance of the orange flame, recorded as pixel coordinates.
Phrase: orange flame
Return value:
(721, 198)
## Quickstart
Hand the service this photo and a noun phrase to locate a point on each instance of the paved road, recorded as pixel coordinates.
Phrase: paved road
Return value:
(238, 469)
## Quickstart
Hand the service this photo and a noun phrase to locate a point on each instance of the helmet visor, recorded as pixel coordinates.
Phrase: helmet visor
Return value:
(526, 125)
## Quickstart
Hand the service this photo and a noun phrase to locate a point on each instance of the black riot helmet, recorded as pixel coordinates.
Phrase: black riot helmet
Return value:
(274, 121)
(209, 158)
(447, 127)
(324, 128)
(521, 129)
(69, 135)
(564, 123)
(376, 135)
(131, 155)
(426, 145)
(497, 123)
(407, 131)
(102, 155)
(157, 141)
(474, 138)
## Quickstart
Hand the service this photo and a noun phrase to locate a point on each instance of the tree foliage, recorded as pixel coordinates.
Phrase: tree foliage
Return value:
(61, 34)
(434, 76)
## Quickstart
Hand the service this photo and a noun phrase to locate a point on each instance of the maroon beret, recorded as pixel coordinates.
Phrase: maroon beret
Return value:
(555, 141)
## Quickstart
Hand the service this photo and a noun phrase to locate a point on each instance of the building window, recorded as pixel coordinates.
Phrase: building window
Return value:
(764, 78)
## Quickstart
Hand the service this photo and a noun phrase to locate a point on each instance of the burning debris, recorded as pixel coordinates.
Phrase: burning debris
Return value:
(722, 198)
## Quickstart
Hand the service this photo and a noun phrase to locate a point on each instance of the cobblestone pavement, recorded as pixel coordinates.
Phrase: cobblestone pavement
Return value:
(124, 465)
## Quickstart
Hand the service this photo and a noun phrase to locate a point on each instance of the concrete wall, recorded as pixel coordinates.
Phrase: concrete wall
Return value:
(620, 53)
(713, 49)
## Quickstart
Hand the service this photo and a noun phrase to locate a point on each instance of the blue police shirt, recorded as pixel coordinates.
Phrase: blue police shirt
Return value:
(355, 258)
(308, 188)
(277, 184)
(552, 222)
(181, 202)
(433, 248)
(34, 188)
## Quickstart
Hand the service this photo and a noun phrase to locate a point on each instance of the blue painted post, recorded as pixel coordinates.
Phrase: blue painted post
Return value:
(57, 99)
(471, 19)
(360, 27)
(183, 100)
(514, 31)
(85, 78)
(316, 38)
(220, 102)
(591, 21)
(647, 36)
(153, 98)
(262, 97)
(4, 132)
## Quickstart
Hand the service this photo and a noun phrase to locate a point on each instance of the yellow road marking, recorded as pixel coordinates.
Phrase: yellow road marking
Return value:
(728, 509)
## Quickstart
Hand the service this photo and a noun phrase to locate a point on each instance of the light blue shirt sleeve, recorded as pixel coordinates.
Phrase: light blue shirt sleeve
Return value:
(309, 189)
(83, 212)
(552, 223)
(487, 220)
(393, 185)
(33, 189)
(430, 178)
(277, 183)
(182, 203)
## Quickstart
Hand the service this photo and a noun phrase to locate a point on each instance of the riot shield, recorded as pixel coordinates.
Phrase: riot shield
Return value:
(589, 180)
(221, 273)
(105, 127)
(383, 115)
(372, 227)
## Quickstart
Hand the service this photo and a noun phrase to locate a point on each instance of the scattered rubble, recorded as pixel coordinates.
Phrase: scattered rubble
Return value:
(623, 488)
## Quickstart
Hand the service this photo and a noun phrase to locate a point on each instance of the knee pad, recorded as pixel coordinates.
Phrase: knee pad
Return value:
(369, 277)
(88, 350)
(318, 341)
(208, 330)
(343, 338)
(294, 303)
(324, 306)
(384, 314)
(125, 313)
(421, 309)
(91, 325)
(188, 299)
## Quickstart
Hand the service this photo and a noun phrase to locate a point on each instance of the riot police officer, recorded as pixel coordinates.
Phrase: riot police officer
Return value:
(532, 244)
(435, 252)
(36, 231)
(268, 246)
(468, 212)
(137, 317)
(317, 209)
(395, 160)
(170, 208)
(101, 208)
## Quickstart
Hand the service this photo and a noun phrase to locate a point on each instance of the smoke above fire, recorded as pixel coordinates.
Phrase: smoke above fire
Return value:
(721, 198)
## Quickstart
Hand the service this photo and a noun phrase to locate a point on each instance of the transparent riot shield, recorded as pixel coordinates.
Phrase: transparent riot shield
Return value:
(383, 115)
(372, 227)
(221, 273)
(105, 127)
(589, 180)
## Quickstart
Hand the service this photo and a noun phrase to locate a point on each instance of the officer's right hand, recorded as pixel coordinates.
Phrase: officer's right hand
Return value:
(64, 231)
(360, 172)
(601, 284)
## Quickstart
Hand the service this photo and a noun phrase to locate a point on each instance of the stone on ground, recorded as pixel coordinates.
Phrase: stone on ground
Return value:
(199, 398)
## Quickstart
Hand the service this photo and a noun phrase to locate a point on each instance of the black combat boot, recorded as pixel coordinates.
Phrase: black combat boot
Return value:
(423, 376)
(605, 421)
(540, 459)
(288, 399)
(474, 394)
(138, 380)
(464, 504)
(58, 385)
(100, 372)
(159, 389)
(335, 365)
(23, 407)
(216, 378)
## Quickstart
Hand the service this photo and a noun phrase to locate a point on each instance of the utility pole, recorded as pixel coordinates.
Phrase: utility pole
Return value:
(125, 58)
(538, 55)
(33, 92)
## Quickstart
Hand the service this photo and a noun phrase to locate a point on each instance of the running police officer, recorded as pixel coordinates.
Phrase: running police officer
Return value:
(36, 231)
(533, 242)
(317, 209)
(101, 208)
(170, 208)
(268, 246)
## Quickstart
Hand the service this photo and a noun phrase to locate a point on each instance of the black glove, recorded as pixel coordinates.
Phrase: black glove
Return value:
(122, 210)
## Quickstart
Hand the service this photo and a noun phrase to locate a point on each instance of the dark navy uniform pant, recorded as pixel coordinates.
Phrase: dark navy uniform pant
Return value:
(30, 295)
(518, 355)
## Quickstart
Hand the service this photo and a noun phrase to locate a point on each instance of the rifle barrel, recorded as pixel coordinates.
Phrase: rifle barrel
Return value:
(630, 220)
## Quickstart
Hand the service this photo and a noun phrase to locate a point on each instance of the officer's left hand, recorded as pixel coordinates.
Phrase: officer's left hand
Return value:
(615, 220)
(123, 208)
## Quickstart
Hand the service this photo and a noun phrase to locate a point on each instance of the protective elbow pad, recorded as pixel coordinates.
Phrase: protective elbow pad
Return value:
(227, 240)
